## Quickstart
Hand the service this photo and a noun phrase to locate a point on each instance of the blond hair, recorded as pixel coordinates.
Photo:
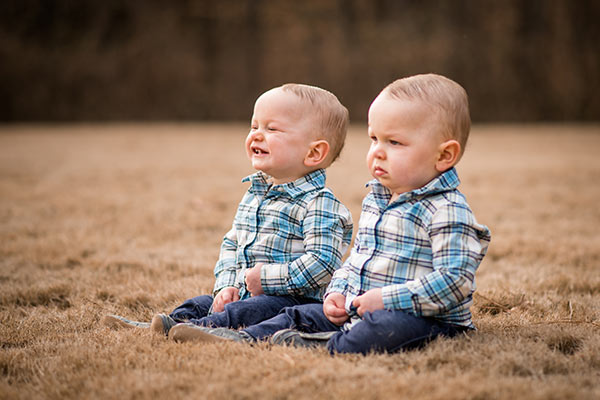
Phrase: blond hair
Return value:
(332, 116)
(448, 99)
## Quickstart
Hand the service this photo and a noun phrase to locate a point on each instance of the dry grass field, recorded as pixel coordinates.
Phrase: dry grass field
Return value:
(127, 219)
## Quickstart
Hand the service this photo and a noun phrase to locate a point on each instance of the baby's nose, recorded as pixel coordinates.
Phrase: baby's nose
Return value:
(378, 152)
(257, 135)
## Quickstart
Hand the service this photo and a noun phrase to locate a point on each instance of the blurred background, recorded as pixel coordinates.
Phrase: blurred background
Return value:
(208, 60)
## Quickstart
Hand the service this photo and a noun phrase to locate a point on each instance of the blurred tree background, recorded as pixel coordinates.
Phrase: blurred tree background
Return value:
(89, 60)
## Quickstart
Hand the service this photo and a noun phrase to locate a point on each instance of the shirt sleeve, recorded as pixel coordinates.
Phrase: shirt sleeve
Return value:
(327, 230)
(226, 268)
(339, 282)
(458, 246)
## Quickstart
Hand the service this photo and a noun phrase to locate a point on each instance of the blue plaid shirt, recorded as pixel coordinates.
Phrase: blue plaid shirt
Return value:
(299, 230)
(422, 250)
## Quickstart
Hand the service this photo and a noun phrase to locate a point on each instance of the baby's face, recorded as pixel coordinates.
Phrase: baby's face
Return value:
(281, 131)
(404, 144)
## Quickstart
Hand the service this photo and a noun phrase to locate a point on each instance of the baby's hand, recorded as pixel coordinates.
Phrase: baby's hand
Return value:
(253, 283)
(225, 296)
(370, 301)
(334, 308)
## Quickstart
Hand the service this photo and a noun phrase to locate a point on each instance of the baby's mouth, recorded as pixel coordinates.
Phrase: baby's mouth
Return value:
(379, 171)
(258, 151)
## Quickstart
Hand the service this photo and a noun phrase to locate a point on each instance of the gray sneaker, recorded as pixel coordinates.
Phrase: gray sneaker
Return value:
(116, 321)
(188, 332)
(295, 338)
(162, 324)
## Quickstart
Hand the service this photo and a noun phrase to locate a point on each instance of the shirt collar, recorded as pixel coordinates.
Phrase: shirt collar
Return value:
(313, 181)
(442, 183)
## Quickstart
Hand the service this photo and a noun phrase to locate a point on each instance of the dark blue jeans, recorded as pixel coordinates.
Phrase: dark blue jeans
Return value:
(237, 314)
(379, 331)
(196, 307)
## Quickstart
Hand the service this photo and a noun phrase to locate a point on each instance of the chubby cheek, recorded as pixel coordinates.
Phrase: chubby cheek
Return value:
(369, 159)
(247, 144)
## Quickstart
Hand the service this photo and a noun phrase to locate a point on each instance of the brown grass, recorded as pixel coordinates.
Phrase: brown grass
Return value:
(127, 219)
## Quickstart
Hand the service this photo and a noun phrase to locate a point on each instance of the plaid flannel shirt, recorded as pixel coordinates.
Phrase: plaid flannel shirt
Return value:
(422, 250)
(299, 230)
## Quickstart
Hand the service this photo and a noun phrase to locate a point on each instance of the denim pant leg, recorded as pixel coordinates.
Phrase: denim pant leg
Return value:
(390, 331)
(250, 311)
(196, 307)
(306, 317)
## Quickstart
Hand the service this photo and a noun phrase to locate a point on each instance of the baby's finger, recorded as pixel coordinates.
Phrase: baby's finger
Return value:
(337, 312)
(360, 310)
(328, 307)
(338, 320)
(217, 305)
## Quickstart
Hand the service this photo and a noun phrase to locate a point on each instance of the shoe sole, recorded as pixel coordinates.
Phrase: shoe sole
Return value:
(291, 337)
(187, 333)
(114, 321)
(157, 326)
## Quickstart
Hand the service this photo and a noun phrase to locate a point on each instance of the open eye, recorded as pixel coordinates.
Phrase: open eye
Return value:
(395, 143)
(373, 138)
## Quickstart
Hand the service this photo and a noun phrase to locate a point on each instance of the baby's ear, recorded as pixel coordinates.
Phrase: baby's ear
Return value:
(317, 153)
(448, 155)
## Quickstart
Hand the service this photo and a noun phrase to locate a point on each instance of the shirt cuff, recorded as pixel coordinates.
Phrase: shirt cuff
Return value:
(273, 278)
(398, 297)
(223, 282)
(337, 286)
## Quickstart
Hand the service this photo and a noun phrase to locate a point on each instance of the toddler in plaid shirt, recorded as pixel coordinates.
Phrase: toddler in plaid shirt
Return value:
(411, 274)
(290, 231)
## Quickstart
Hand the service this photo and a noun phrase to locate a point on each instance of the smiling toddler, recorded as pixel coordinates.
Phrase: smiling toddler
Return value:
(290, 232)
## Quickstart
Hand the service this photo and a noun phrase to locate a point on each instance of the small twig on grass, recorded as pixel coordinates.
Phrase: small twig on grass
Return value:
(93, 302)
(556, 322)
(566, 321)
(287, 359)
(495, 303)
(570, 310)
